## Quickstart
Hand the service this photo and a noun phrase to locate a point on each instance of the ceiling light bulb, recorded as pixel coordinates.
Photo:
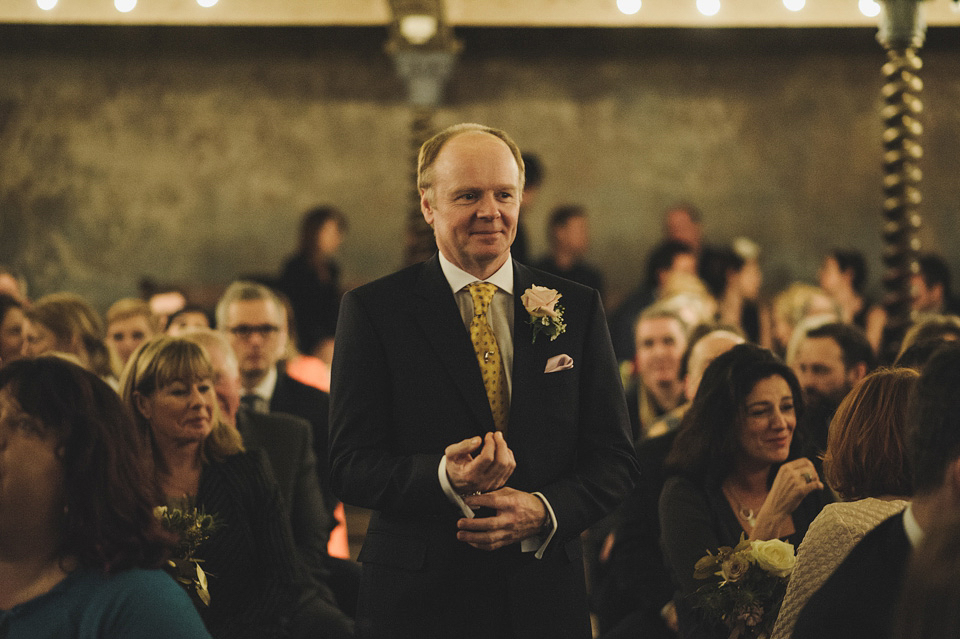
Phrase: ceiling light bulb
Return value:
(869, 8)
(46, 5)
(708, 7)
(206, 4)
(629, 7)
(418, 29)
(794, 5)
(125, 6)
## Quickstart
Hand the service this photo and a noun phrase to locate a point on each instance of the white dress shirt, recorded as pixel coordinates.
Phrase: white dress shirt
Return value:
(500, 316)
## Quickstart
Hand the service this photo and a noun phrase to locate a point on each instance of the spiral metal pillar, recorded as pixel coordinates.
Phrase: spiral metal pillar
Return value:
(420, 244)
(424, 52)
(901, 33)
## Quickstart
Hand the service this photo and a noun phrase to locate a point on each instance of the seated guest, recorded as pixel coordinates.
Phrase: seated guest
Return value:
(66, 323)
(79, 543)
(828, 360)
(250, 558)
(13, 324)
(288, 444)
(858, 599)
(656, 388)
(666, 258)
(254, 320)
(707, 342)
(733, 277)
(186, 319)
(929, 606)
(939, 327)
(866, 466)
(129, 324)
(843, 276)
(635, 597)
(794, 304)
(930, 288)
(569, 239)
(733, 470)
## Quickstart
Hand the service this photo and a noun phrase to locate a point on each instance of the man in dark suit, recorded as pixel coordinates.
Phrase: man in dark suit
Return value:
(859, 599)
(255, 322)
(484, 458)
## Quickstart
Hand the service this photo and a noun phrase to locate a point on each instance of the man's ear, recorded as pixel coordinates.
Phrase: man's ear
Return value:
(857, 372)
(425, 206)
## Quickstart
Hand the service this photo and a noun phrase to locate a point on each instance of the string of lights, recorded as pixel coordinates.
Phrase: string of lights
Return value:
(869, 8)
(123, 6)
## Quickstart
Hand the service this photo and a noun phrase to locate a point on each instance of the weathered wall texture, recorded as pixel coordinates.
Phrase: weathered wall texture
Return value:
(189, 154)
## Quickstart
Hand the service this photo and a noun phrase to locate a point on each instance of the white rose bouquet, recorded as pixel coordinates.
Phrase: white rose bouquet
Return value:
(746, 588)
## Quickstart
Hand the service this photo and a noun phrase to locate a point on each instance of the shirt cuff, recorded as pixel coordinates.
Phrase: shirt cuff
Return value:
(537, 543)
(448, 490)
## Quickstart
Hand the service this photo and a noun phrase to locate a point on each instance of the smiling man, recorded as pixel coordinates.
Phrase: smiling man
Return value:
(486, 431)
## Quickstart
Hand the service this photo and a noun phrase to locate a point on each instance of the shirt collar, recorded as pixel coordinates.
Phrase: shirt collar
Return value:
(457, 278)
(912, 528)
(265, 388)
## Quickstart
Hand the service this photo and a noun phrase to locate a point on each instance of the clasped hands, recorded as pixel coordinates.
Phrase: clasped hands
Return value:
(479, 469)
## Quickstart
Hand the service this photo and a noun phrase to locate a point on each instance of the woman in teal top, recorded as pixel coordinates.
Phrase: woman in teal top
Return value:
(79, 544)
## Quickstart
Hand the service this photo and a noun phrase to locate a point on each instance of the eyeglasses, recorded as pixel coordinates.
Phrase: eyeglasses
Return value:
(245, 331)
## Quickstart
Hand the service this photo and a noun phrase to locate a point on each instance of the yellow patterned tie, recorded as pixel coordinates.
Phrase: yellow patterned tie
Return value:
(488, 353)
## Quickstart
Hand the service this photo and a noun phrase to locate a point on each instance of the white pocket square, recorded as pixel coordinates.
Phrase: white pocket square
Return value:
(558, 363)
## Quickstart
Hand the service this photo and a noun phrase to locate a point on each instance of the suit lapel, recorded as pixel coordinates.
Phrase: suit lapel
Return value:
(525, 359)
(436, 311)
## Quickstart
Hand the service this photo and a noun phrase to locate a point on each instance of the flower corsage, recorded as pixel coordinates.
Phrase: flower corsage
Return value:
(546, 315)
(192, 527)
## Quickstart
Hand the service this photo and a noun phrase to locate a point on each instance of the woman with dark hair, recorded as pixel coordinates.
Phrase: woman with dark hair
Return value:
(734, 470)
(249, 557)
(866, 465)
(843, 275)
(79, 543)
(311, 280)
(12, 329)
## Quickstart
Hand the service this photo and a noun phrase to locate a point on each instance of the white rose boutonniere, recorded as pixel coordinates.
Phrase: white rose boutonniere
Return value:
(546, 315)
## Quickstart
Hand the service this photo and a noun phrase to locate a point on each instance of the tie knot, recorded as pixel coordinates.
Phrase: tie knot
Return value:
(482, 293)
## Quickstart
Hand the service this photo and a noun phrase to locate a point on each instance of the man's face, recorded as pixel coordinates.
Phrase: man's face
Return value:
(820, 369)
(257, 334)
(226, 383)
(707, 349)
(574, 235)
(474, 202)
(660, 346)
(925, 298)
(685, 263)
(678, 225)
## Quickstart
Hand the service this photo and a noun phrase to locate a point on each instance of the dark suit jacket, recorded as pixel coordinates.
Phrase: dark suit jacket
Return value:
(312, 404)
(289, 446)
(406, 384)
(859, 598)
(637, 583)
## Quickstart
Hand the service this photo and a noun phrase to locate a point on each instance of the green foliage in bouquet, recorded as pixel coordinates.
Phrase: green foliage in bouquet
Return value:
(192, 527)
(746, 586)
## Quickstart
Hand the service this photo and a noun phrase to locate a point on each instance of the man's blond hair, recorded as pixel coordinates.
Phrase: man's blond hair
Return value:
(431, 149)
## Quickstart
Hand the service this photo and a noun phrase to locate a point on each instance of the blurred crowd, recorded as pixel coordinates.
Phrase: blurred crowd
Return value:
(209, 389)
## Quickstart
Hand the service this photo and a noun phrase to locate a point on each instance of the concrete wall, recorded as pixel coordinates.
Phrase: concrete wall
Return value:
(188, 154)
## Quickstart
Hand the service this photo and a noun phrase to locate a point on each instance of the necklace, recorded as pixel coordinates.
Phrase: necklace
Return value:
(744, 513)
